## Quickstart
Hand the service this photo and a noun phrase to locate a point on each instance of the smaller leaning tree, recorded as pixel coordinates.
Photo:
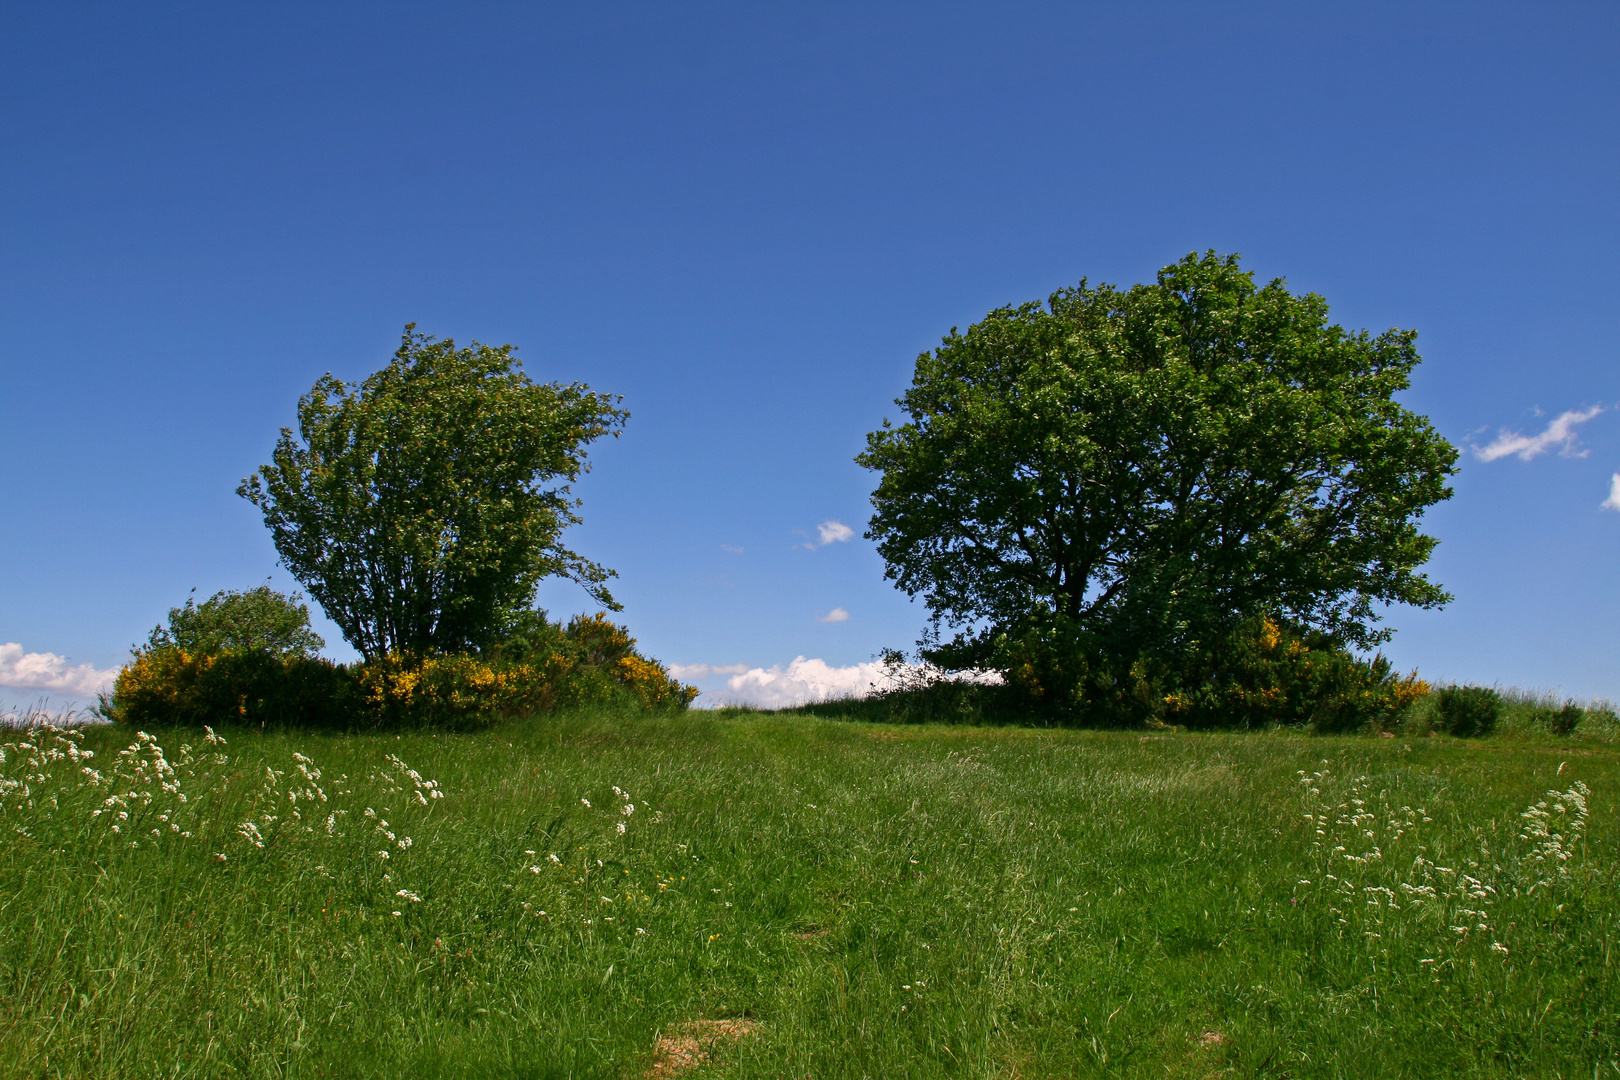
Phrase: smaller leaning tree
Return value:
(422, 507)
(1117, 475)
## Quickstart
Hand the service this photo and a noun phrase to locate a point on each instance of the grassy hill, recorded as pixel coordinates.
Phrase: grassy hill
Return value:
(788, 896)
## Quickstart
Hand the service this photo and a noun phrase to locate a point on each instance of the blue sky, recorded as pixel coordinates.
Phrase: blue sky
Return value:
(748, 220)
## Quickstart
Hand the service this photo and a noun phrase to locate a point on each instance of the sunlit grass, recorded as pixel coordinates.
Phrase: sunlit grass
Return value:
(878, 901)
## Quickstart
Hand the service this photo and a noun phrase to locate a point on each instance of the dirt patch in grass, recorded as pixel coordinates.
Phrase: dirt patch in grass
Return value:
(688, 1048)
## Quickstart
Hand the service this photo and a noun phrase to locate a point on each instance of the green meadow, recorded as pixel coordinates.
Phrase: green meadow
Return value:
(786, 895)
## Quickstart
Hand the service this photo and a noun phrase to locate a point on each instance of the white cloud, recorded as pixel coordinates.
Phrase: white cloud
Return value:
(804, 681)
(52, 673)
(833, 532)
(1561, 432)
(1613, 501)
(699, 672)
(837, 614)
(800, 682)
(734, 549)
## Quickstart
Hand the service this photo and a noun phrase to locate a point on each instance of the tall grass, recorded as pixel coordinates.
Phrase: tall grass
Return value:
(545, 899)
(1528, 714)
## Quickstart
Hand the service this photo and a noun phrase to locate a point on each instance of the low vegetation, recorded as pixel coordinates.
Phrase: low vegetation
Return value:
(539, 666)
(635, 894)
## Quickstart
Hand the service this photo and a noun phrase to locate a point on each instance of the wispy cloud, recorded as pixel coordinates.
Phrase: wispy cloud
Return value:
(1559, 433)
(1613, 501)
(837, 614)
(734, 549)
(699, 672)
(46, 671)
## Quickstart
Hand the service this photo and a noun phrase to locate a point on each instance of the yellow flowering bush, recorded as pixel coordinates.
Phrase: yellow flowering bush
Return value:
(171, 685)
(591, 661)
(1265, 673)
(651, 684)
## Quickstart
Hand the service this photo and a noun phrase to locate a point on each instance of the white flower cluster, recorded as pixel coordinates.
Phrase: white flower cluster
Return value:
(1369, 888)
(141, 796)
(424, 790)
(34, 763)
(1556, 829)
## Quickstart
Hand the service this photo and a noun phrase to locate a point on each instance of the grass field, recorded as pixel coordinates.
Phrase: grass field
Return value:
(786, 896)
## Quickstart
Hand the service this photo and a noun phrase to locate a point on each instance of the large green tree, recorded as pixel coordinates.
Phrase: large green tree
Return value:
(422, 507)
(1146, 469)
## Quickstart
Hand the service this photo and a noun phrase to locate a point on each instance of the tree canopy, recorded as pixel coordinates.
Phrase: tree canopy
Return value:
(1148, 468)
(259, 620)
(422, 506)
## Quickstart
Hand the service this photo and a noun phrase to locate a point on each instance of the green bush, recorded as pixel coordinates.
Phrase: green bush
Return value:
(1267, 673)
(169, 685)
(590, 661)
(1563, 720)
(1467, 711)
(1263, 674)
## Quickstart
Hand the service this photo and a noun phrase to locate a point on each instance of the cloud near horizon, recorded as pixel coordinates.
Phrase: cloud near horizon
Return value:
(52, 673)
(802, 682)
(1560, 433)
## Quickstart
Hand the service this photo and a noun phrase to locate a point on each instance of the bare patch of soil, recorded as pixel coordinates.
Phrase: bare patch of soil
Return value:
(689, 1047)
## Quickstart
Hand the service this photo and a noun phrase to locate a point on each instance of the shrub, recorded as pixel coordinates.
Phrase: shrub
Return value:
(1467, 711)
(1263, 673)
(1058, 673)
(1267, 673)
(171, 685)
(591, 661)
(1563, 720)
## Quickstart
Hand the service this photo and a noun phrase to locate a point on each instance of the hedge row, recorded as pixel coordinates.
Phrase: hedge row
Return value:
(592, 661)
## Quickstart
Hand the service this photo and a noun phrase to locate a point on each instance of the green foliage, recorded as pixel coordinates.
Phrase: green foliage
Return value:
(1265, 674)
(1467, 710)
(1136, 473)
(422, 506)
(260, 620)
(1262, 674)
(168, 686)
(589, 662)
(918, 902)
(1563, 720)
(1530, 714)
